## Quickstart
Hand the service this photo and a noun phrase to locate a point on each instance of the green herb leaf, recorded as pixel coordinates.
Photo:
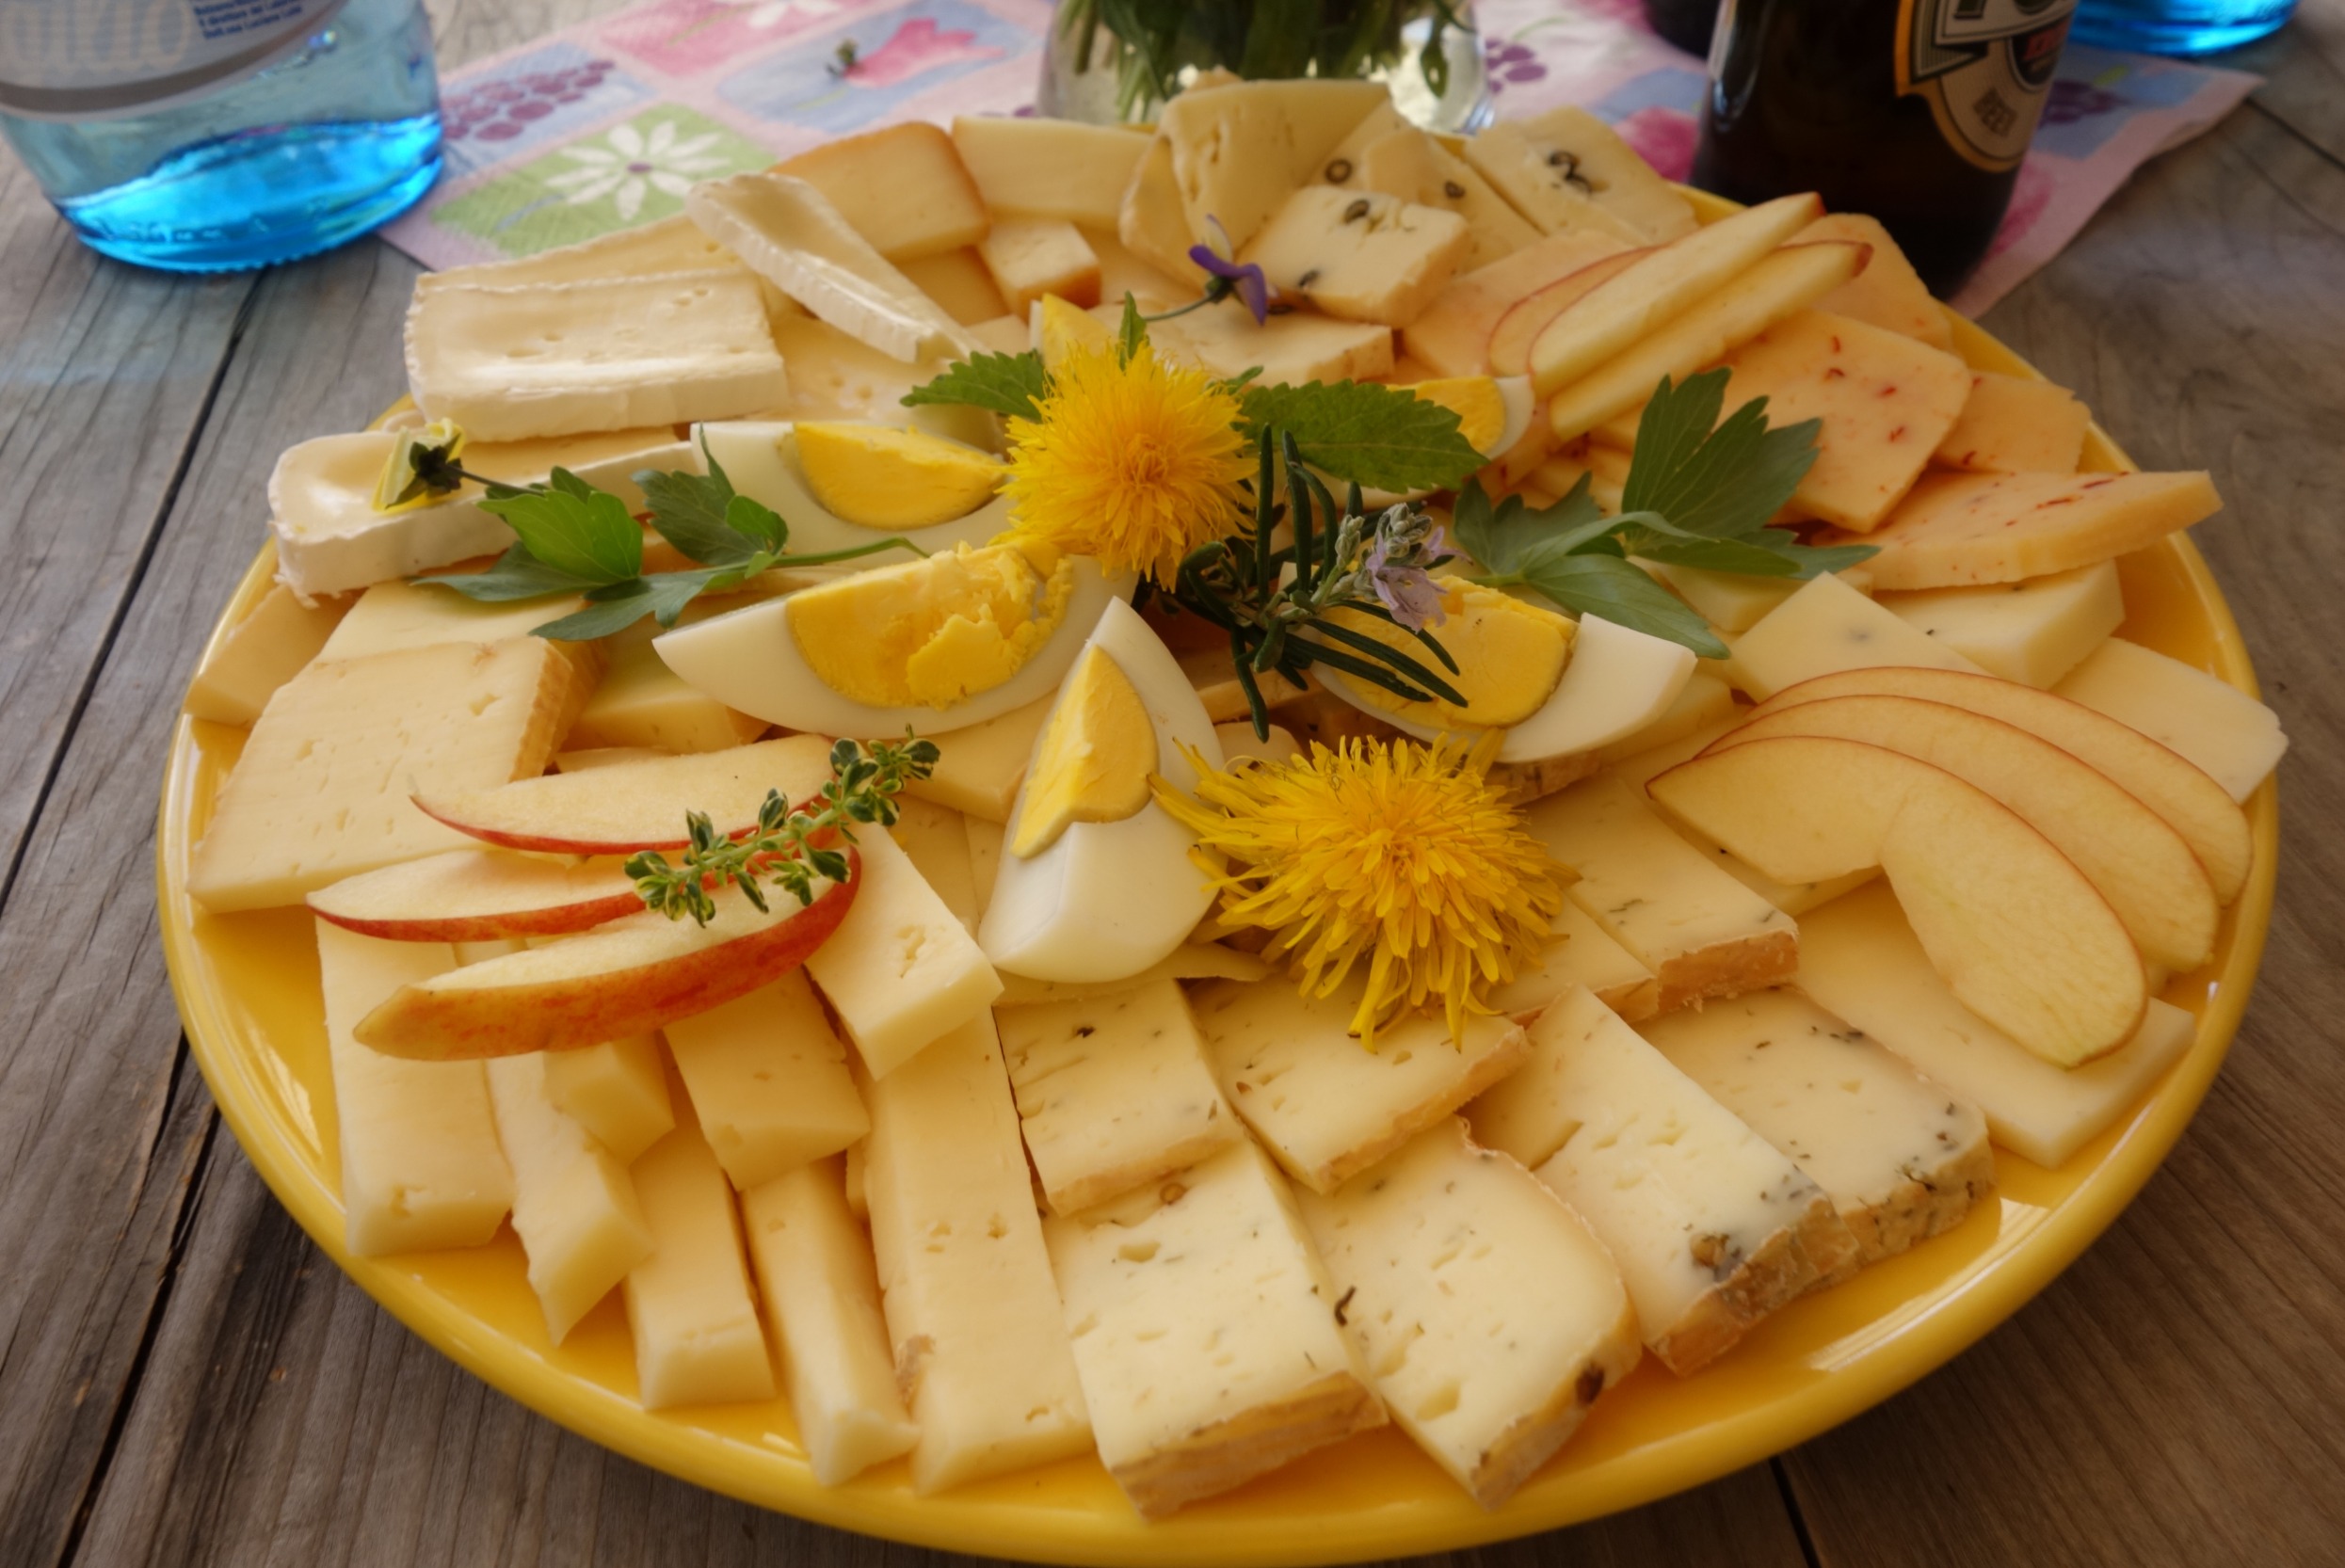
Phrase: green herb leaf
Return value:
(1723, 482)
(1133, 332)
(1596, 583)
(1374, 436)
(703, 516)
(572, 527)
(1012, 384)
(515, 575)
(1507, 535)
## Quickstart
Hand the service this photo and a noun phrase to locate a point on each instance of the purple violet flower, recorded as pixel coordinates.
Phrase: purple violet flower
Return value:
(1246, 281)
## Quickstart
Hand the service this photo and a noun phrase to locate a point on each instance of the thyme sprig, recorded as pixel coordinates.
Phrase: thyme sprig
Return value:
(790, 849)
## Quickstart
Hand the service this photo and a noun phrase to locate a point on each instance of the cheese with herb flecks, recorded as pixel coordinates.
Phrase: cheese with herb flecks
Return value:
(1567, 169)
(1580, 952)
(1360, 255)
(1826, 627)
(698, 1339)
(768, 1081)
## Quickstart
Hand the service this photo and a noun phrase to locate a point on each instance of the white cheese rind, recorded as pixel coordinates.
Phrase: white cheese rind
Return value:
(980, 1343)
(421, 1165)
(617, 1091)
(1203, 1327)
(2212, 724)
(698, 1339)
(574, 1205)
(815, 1276)
(1488, 1314)
(768, 1081)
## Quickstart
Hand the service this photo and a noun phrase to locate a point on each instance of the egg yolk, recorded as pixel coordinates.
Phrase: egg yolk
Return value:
(1475, 400)
(878, 477)
(1093, 764)
(930, 634)
(1510, 657)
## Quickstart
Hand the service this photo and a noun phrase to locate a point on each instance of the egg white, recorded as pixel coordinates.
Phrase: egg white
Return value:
(1108, 900)
(753, 456)
(749, 660)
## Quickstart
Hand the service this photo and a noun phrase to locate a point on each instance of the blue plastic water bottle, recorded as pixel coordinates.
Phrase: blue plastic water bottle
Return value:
(2179, 26)
(205, 135)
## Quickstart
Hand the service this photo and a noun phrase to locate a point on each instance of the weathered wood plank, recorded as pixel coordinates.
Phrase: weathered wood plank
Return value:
(2305, 67)
(2176, 1394)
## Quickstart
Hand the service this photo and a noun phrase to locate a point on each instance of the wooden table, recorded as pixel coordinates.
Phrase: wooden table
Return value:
(184, 1380)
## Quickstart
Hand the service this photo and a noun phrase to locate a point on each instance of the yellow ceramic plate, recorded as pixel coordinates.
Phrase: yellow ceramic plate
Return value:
(248, 995)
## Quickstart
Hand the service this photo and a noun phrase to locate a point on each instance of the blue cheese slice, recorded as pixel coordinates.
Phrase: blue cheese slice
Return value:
(1903, 1159)
(1113, 1091)
(1488, 1314)
(698, 1339)
(1360, 256)
(1713, 1226)
(768, 1081)
(981, 1346)
(1327, 1107)
(1205, 1331)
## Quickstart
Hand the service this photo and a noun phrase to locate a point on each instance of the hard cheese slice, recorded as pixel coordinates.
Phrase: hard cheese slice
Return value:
(1113, 1091)
(1889, 293)
(1408, 163)
(614, 354)
(1238, 149)
(903, 187)
(1958, 528)
(1323, 1105)
(935, 839)
(1579, 952)
(1823, 627)
(1037, 168)
(2227, 734)
(768, 1081)
(979, 768)
(1360, 256)
(697, 1341)
(321, 792)
(574, 1205)
(399, 614)
(617, 1091)
(815, 1276)
(261, 652)
(1453, 336)
(421, 1165)
(1205, 1331)
(670, 245)
(2033, 632)
(640, 703)
(981, 1346)
(1903, 1159)
(1288, 349)
(1712, 1227)
(2015, 425)
(1487, 1313)
(1567, 169)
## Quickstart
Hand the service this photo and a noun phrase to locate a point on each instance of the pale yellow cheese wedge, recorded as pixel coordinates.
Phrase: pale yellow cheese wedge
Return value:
(640, 703)
(1826, 627)
(979, 768)
(903, 187)
(617, 1091)
(935, 839)
(698, 1339)
(768, 1081)
(1031, 257)
(1889, 293)
(2034, 631)
(574, 1205)
(2016, 425)
(393, 616)
(1238, 149)
(2236, 740)
(957, 280)
(1960, 528)
(1579, 952)
(901, 970)
(1038, 167)
(261, 652)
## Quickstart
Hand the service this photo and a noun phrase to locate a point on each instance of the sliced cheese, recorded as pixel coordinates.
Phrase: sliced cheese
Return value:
(322, 790)
(903, 187)
(1702, 701)
(1903, 1159)
(984, 864)
(1488, 1315)
(1958, 528)
(1238, 149)
(1205, 1331)
(1567, 169)
(981, 1346)
(835, 375)
(815, 1276)
(639, 702)
(935, 839)
(1124, 271)
(574, 1205)
(979, 768)
(2033, 632)
(1579, 952)
(617, 1091)
(698, 1339)
(1031, 257)
(1700, 931)
(768, 1081)
(1825, 627)
(1861, 961)
(1150, 224)
(901, 970)
(1113, 1091)
(1712, 1226)
(1733, 602)
(957, 279)
(1032, 167)
(1288, 349)
(2227, 734)
(1359, 256)
(1407, 163)
(421, 1165)
(1889, 293)
(1453, 336)
(2016, 424)
(260, 653)
(1324, 1105)
(506, 363)
(393, 616)
(670, 245)
(1202, 957)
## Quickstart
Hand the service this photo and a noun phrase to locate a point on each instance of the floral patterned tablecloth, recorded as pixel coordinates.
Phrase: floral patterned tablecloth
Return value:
(605, 125)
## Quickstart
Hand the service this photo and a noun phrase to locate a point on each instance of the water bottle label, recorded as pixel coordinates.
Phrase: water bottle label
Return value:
(81, 59)
(1985, 67)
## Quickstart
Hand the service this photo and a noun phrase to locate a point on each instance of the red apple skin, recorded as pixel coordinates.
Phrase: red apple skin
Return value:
(423, 1025)
(561, 919)
(1512, 334)
(425, 901)
(548, 844)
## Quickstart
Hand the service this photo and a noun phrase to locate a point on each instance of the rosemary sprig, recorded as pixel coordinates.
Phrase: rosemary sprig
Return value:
(789, 848)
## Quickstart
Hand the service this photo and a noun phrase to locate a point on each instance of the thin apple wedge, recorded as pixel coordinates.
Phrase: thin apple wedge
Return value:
(2017, 931)
(1512, 337)
(1660, 285)
(2191, 803)
(479, 895)
(2142, 865)
(637, 805)
(624, 979)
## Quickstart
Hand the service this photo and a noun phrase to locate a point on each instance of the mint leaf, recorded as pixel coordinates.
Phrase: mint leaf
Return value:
(515, 575)
(1725, 481)
(573, 528)
(1378, 437)
(1012, 384)
(1603, 585)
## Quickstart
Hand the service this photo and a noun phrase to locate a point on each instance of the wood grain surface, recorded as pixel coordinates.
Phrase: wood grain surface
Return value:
(185, 1381)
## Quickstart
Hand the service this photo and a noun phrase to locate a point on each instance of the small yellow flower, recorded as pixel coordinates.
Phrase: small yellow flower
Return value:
(1134, 462)
(1402, 853)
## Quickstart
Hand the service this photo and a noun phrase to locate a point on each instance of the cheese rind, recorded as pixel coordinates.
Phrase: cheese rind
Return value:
(697, 1341)
(1325, 1107)
(980, 1343)
(2034, 631)
(260, 653)
(815, 1276)
(1902, 1159)
(617, 1091)
(1040, 168)
(1362, 257)
(1204, 1329)
(574, 1205)
(768, 1081)
(1113, 1091)
(1487, 1313)
(901, 970)
(421, 1165)
(1712, 1226)
(1579, 952)
(2213, 724)
(1825, 627)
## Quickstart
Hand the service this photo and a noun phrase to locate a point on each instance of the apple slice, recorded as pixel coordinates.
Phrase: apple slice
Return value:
(479, 895)
(2020, 934)
(626, 979)
(1526, 318)
(2191, 803)
(2142, 865)
(1660, 285)
(637, 805)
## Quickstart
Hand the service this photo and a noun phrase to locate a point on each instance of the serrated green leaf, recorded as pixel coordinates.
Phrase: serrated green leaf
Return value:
(697, 512)
(1722, 482)
(1610, 589)
(1506, 535)
(573, 528)
(515, 575)
(1375, 436)
(1012, 384)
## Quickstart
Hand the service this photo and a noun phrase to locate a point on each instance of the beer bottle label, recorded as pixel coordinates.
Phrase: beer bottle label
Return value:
(95, 60)
(1984, 66)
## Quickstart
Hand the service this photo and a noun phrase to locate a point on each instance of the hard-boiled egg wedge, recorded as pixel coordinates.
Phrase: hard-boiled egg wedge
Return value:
(841, 484)
(934, 645)
(1492, 411)
(1555, 689)
(1095, 882)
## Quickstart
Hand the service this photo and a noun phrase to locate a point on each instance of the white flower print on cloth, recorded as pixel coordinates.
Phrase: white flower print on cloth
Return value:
(628, 163)
(769, 13)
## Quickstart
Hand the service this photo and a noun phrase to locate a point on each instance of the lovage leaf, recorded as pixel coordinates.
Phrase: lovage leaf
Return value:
(1724, 482)
(1507, 535)
(703, 516)
(1378, 437)
(1596, 583)
(517, 574)
(1011, 384)
(572, 527)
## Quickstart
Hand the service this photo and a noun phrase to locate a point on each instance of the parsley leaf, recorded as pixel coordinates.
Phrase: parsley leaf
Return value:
(1568, 554)
(1011, 384)
(1605, 585)
(517, 574)
(572, 528)
(1369, 435)
(1724, 481)
(703, 516)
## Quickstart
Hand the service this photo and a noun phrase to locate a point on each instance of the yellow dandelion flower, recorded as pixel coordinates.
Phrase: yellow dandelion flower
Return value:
(1136, 463)
(1400, 854)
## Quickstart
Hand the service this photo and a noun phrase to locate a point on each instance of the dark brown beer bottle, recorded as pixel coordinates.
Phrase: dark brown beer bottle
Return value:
(1915, 111)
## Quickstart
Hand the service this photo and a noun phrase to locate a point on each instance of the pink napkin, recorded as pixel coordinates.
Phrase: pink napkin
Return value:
(603, 126)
